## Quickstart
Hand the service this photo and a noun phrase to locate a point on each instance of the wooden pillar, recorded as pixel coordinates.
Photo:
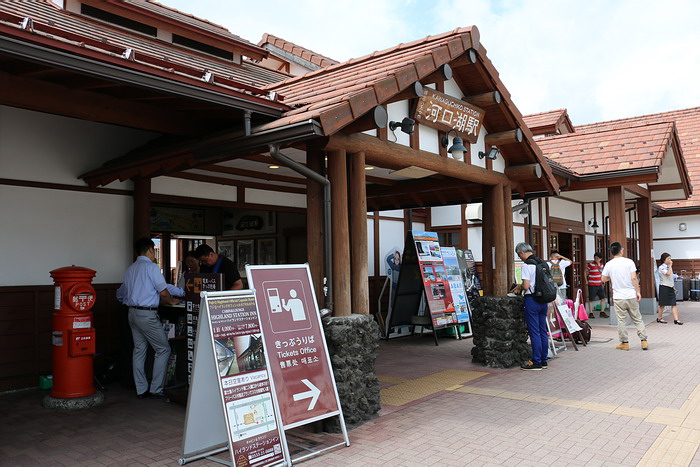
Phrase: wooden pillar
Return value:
(315, 222)
(487, 242)
(618, 226)
(358, 234)
(338, 176)
(510, 247)
(142, 208)
(494, 223)
(646, 262)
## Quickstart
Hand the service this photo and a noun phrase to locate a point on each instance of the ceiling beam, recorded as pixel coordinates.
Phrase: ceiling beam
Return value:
(238, 183)
(254, 173)
(637, 190)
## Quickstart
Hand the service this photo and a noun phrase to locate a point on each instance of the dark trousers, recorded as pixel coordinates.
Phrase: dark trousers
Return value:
(536, 319)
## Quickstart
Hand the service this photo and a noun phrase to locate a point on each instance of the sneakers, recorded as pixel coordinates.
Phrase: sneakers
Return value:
(604, 315)
(645, 345)
(626, 345)
(544, 365)
(591, 316)
(531, 366)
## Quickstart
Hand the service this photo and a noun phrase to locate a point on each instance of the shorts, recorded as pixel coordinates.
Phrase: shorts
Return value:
(596, 291)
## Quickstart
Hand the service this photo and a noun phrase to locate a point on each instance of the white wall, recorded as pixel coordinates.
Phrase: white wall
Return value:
(667, 227)
(45, 229)
(183, 187)
(590, 247)
(398, 111)
(370, 247)
(564, 209)
(275, 198)
(680, 249)
(474, 241)
(446, 215)
(46, 148)
(391, 235)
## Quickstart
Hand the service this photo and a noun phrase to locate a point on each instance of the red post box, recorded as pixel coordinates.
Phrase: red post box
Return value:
(73, 334)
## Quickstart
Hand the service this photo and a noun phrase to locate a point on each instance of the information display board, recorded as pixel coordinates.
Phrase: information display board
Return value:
(295, 344)
(231, 365)
(437, 288)
(196, 283)
(454, 277)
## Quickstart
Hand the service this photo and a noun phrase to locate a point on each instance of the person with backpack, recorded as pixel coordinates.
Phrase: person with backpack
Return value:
(557, 267)
(539, 290)
(622, 272)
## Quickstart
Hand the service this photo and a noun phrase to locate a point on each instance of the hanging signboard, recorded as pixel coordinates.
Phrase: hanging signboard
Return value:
(295, 344)
(443, 112)
(231, 365)
(454, 277)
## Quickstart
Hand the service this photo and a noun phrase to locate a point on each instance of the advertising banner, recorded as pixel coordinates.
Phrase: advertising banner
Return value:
(295, 344)
(437, 288)
(244, 382)
(454, 277)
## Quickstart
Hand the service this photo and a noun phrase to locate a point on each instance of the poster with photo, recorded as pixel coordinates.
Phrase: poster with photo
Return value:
(454, 278)
(438, 293)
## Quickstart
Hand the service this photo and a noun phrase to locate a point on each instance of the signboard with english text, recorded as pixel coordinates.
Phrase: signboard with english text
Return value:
(443, 112)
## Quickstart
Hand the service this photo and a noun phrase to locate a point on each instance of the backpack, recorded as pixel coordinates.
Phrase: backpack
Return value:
(545, 287)
(585, 331)
(557, 276)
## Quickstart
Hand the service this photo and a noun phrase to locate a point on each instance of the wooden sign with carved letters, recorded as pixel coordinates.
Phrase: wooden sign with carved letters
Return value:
(443, 112)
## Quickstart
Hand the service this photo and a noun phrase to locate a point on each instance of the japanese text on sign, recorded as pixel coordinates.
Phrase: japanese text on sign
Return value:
(443, 112)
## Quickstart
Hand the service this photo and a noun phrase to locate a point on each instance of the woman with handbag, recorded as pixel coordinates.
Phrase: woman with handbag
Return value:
(667, 293)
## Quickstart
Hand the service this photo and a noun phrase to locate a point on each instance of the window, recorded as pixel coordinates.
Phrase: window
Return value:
(93, 12)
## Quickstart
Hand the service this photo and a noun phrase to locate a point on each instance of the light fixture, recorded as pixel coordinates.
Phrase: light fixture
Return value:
(406, 125)
(273, 166)
(457, 149)
(369, 167)
(593, 223)
(492, 154)
(525, 212)
(682, 227)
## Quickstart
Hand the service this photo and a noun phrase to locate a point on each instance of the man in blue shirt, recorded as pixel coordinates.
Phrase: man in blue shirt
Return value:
(142, 291)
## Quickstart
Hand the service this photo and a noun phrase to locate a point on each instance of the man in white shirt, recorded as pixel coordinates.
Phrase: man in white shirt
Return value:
(557, 260)
(622, 272)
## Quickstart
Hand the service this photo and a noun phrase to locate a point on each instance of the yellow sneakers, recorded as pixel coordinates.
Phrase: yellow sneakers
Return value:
(626, 345)
(645, 345)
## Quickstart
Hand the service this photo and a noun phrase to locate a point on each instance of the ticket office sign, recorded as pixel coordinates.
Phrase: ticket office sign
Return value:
(435, 282)
(443, 112)
(244, 381)
(295, 343)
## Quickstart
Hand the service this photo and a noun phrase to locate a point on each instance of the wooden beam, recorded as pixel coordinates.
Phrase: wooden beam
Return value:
(375, 118)
(666, 187)
(413, 91)
(315, 221)
(484, 100)
(358, 234)
(142, 208)
(613, 181)
(647, 262)
(56, 99)
(637, 190)
(616, 207)
(524, 172)
(338, 176)
(384, 153)
(504, 137)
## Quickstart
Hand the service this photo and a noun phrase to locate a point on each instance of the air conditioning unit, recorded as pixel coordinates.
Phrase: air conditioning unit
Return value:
(473, 212)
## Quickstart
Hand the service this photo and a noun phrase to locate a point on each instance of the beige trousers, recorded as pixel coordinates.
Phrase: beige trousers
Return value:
(623, 309)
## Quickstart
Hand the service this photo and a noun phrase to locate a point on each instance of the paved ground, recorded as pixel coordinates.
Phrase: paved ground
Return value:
(598, 406)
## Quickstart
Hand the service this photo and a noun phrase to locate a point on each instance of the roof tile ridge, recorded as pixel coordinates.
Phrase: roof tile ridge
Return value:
(267, 36)
(656, 114)
(547, 112)
(631, 124)
(375, 54)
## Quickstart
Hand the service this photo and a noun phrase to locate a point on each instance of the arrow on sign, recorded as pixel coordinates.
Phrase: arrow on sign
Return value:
(312, 394)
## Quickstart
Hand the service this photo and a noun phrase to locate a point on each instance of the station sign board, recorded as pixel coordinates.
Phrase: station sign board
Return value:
(442, 112)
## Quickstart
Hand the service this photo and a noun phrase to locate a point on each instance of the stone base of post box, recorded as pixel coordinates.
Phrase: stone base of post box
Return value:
(352, 344)
(75, 403)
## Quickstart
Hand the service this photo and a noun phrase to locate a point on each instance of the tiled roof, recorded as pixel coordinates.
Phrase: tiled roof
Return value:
(547, 122)
(687, 123)
(609, 150)
(85, 36)
(341, 93)
(301, 52)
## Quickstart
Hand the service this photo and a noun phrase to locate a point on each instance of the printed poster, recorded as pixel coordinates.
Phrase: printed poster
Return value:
(454, 277)
(437, 287)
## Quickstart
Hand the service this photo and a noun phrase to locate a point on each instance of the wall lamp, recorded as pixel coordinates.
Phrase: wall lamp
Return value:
(406, 125)
(492, 154)
(593, 224)
(682, 226)
(457, 149)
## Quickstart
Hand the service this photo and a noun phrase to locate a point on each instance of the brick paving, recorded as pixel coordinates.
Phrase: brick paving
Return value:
(595, 407)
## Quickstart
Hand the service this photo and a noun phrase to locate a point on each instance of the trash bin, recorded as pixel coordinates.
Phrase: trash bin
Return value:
(695, 290)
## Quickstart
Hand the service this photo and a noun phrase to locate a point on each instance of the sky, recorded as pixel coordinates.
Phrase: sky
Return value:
(599, 59)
